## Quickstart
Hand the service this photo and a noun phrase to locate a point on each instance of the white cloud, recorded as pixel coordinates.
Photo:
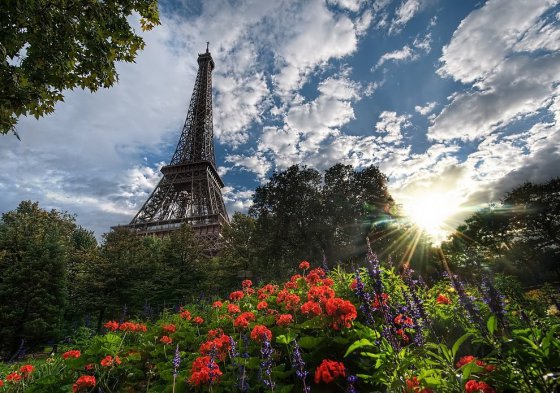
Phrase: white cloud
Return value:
(424, 110)
(352, 5)
(398, 55)
(404, 14)
(391, 125)
(489, 49)
(255, 163)
(237, 200)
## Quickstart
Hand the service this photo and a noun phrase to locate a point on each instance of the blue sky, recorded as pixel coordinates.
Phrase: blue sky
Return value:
(454, 99)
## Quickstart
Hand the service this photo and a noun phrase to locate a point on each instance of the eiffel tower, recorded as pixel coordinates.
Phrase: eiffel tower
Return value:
(190, 190)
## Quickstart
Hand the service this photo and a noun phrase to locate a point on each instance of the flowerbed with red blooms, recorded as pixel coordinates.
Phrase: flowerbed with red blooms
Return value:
(363, 331)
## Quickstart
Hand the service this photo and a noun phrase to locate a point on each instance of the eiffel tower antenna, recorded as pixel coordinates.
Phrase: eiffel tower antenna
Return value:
(190, 190)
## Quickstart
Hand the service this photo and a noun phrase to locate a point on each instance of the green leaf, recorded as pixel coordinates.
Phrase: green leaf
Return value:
(458, 343)
(364, 342)
(492, 324)
(309, 342)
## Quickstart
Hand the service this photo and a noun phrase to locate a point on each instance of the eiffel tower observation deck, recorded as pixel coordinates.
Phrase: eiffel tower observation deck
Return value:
(190, 190)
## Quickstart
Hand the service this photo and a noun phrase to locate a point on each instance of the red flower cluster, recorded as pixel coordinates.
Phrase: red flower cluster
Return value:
(304, 265)
(260, 333)
(204, 370)
(169, 328)
(320, 293)
(108, 361)
(284, 319)
(247, 283)
(328, 371)
(413, 386)
(73, 353)
(185, 314)
(13, 377)
(217, 304)
(26, 370)
(220, 345)
(342, 311)
(289, 300)
(198, 320)
(84, 382)
(380, 300)
(469, 359)
(243, 320)
(402, 320)
(266, 291)
(233, 308)
(442, 299)
(311, 308)
(354, 284)
(132, 327)
(236, 296)
(262, 305)
(166, 340)
(315, 276)
(111, 325)
(402, 334)
(473, 386)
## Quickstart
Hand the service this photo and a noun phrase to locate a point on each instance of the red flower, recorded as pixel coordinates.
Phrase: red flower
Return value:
(290, 285)
(320, 293)
(311, 308)
(217, 304)
(402, 320)
(89, 366)
(262, 305)
(354, 284)
(473, 386)
(111, 325)
(204, 370)
(213, 333)
(219, 346)
(342, 311)
(266, 291)
(85, 381)
(170, 328)
(185, 314)
(249, 291)
(73, 353)
(304, 265)
(233, 308)
(328, 371)
(235, 296)
(260, 333)
(108, 361)
(26, 370)
(328, 282)
(247, 284)
(244, 319)
(198, 320)
(13, 377)
(132, 327)
(401, 333)
(166, 340)
(1, 383)
(377, 304)
(290, 300)
(284, 319)
(413, 386)
(465, 360)
(442, 299)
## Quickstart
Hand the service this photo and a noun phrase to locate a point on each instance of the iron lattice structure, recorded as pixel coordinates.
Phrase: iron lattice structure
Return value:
(190, 190)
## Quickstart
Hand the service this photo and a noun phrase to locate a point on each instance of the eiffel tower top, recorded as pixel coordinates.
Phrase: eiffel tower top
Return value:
(196, 142)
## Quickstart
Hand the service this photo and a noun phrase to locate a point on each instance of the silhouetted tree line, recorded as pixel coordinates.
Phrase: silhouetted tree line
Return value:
(54, 276)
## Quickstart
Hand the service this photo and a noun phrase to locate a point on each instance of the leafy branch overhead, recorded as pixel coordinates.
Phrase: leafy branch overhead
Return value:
(47, 46)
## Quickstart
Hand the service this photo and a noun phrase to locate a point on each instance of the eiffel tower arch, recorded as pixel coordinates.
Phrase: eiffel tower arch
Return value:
(190, 189)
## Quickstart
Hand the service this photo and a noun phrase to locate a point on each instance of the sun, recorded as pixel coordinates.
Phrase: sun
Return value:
(431, 212)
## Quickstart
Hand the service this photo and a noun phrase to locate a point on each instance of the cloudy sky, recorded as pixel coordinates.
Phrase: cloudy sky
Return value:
(458, 99)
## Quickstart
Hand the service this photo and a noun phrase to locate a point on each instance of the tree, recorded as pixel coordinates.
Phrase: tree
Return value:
(47, 46)
(35, 246)
(519, 236)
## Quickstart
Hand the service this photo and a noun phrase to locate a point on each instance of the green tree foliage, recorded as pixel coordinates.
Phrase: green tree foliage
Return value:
(47, 46)
(302, 214)
(519, 236)
(35, 246)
